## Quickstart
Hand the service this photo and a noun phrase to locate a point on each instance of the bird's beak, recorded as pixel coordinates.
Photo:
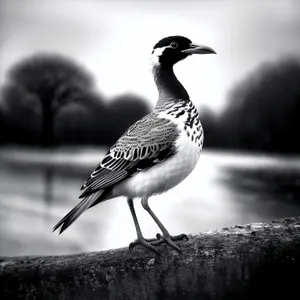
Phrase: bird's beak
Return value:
(199, 49)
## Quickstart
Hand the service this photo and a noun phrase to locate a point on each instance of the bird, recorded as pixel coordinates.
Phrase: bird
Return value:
(154, 154)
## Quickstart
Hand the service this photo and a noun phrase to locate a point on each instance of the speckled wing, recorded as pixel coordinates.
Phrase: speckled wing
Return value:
(147, 142)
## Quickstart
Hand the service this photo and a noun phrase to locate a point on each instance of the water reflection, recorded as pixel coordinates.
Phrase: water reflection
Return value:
(36, 190)
(272, 183)
(277, 188)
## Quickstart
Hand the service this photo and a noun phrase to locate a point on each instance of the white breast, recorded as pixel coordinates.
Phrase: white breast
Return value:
(163, 176)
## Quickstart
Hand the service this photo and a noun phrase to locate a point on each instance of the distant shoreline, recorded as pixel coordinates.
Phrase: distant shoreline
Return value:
(80, 159)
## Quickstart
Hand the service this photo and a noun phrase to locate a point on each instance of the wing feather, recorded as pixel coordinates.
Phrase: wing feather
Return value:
(149, 141)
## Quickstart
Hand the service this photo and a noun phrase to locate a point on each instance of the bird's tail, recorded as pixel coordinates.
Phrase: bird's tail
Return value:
(80, 208)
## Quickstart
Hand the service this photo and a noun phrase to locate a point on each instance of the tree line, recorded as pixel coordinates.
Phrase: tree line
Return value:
(50, 100)
(263, 111)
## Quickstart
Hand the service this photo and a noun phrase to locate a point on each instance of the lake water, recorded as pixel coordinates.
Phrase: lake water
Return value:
(38, 189)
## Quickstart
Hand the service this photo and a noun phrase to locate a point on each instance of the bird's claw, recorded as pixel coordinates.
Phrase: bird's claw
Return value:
(160, 239)
(169, 239)
(180, 237)
(148, 243)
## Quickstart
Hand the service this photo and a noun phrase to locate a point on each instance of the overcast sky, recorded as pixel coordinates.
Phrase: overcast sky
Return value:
(114, 39)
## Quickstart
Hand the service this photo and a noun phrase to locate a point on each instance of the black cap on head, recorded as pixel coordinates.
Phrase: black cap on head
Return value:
(183, 42)
(172, 49)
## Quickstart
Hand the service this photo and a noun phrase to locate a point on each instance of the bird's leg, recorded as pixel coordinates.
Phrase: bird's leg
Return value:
(166, 237)
(140, 239)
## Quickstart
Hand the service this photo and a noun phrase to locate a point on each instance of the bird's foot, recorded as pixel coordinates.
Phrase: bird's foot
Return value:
(148, 243)
(169, 239)
(160, 239)
(179, 237)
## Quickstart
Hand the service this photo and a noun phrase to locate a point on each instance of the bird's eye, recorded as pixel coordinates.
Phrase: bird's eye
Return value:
(174, 45)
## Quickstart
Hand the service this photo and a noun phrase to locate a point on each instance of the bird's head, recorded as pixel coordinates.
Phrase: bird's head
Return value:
(170, 50)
